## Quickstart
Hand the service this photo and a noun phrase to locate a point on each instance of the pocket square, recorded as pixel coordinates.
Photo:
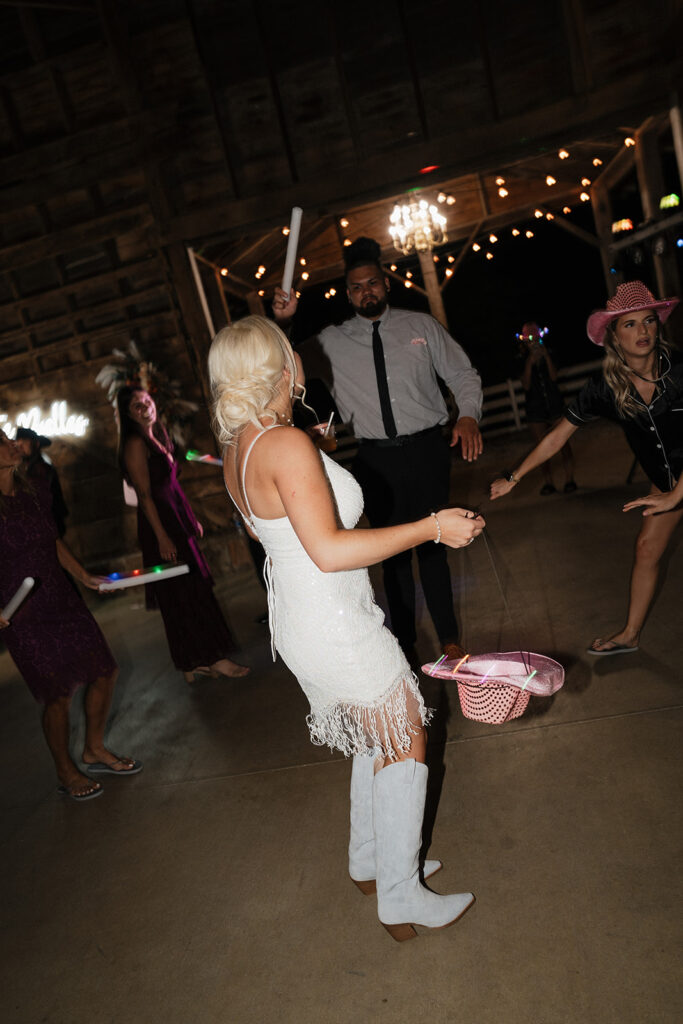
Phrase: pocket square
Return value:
(418, 341)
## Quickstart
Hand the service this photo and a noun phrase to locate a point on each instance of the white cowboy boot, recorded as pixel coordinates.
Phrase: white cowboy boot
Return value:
(362, 840)
(402, 902)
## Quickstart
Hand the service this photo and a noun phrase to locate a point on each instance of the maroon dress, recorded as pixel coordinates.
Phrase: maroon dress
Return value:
(54, 640)
(195, 628)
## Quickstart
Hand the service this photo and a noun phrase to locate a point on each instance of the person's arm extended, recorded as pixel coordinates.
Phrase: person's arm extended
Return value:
(68, 561)
(549, 446)
(135, 457)
(293, 463)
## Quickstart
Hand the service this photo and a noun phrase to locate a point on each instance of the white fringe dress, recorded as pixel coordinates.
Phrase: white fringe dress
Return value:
(330, 633)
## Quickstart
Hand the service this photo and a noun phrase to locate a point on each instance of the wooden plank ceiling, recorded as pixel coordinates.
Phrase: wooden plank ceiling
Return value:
(130, 129)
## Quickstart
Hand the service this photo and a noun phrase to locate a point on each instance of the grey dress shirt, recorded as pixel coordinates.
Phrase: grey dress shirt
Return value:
(416, 349)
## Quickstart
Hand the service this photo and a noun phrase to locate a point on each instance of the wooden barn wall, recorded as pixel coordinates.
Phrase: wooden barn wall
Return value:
(129, 129)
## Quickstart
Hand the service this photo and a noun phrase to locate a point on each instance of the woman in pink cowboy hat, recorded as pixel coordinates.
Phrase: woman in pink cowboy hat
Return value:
(640, 386)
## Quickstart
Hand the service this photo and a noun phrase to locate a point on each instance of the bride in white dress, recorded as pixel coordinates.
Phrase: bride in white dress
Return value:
(324, 622)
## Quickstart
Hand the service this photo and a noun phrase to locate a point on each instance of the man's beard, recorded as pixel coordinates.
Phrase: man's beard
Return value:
(372, 309)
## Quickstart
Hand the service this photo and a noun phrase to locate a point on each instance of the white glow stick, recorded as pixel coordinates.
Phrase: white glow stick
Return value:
(329, 424)
(14, 602)
(292, 244)
(156, 573)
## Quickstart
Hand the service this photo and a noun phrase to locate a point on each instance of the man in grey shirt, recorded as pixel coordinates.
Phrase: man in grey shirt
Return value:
(382, 368)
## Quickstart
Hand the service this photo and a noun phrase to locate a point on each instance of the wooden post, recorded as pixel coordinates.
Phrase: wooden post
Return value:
(255, 304)
(431, 283)
(513, 403)
(651, 185)
(602, 214)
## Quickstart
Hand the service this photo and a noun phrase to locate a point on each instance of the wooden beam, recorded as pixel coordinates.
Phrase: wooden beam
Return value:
(125, 327)
(468, 151)
(574, 229)
(577, 41)
(75, 286)
(86, 233)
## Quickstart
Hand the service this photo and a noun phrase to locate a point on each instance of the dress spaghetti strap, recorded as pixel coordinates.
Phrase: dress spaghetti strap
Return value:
(244, 465)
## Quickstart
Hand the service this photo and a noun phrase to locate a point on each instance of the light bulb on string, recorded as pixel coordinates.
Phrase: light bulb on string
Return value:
(597, 162)
(476, 247)
(538, 214)
(515, 232)
(333, 291)
(451, 259)
(503, 192)
(224, 271)
(549, 180)
(409, 273)
(302, 261)
(408, 284)
(393, 267)
(344, 222)
(347, 241)
(584, 197)
(489, 255)
(563, 154)
(529, 234)
(550, 216)
(585, 182)
(566, 209)
(305, 276)
(450, 200)
(629, 141)
(449, 272)
(493, 238)
(285, 231)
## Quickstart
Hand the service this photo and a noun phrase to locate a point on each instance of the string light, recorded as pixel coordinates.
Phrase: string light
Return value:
(493, 238)
(450, 200)
(261, 292)
(393, 267)
(585, 182)
(408, 284)
(344, 222)
(476, 247)
(333, 291)
(550, 216)
(435, 258)
(566, 209)
(285, 231)
(224, 271)
(305, 276)
(549, 180)
(515, 232)
(347, 241)
(327, 295)
(500, 181)
(529, 234)
(503, 192)
(538, 214)
(563, 154)
(489, 255)
(628, 141)
(451, 259)
(302, 261)
(441, 198)
(409, 273)
(584, 197)
(449, 272)
(625, 224)
(597, 162)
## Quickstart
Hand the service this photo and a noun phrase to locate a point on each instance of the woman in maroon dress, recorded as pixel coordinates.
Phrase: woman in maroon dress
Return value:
(168, 530)
(53, 639)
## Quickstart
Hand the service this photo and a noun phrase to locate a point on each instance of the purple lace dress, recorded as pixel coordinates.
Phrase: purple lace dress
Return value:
(195, 628)
(54, 640)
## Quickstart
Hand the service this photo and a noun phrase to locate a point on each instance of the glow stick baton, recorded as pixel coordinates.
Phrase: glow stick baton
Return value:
(528, 680)
(437, 663)
(153, 574)
(461, 662)
(209, 460)
(329, 424)
(14, 601)
(292, 244)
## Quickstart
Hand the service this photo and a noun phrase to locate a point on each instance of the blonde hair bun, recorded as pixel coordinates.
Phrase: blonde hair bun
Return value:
(246, 362)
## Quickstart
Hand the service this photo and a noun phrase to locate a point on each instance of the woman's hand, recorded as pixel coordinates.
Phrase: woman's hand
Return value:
(199, 528)
(652, 504)
(93, 582)
(501, 487)
(284, 305)
(459, 527)
(167, 549)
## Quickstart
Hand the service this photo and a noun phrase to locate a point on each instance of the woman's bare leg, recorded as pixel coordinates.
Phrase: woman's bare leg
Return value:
(97, 704)
(655, 534)
(416, 752)
(55, 721)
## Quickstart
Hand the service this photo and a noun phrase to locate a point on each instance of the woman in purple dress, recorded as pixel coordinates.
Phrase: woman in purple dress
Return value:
(53, 639)
(168, 530)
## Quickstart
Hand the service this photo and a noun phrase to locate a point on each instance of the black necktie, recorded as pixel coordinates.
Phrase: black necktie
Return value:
(382, 385)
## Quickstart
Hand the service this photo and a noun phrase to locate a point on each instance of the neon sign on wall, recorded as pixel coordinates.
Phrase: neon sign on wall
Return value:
(59, 422)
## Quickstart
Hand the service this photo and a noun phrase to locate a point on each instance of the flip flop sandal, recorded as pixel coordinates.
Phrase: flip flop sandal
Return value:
(100, 768)
(80, 797)
(617, 649)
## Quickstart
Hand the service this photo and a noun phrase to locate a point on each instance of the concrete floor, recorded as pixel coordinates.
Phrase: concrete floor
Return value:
(212, 888)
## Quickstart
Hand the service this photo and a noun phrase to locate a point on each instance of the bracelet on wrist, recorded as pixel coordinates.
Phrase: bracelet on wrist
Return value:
(511, 478)
(437, 539)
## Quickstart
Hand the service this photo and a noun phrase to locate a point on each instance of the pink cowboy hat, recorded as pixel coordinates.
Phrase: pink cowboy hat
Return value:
(630, 297)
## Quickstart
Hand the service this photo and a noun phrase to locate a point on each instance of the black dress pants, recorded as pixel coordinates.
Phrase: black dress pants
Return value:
(400, 484)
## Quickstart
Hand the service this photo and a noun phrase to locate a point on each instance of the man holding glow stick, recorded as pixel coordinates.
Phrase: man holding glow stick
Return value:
(382, 368)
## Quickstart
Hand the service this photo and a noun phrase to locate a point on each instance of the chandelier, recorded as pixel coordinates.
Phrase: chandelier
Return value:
(417, 226)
